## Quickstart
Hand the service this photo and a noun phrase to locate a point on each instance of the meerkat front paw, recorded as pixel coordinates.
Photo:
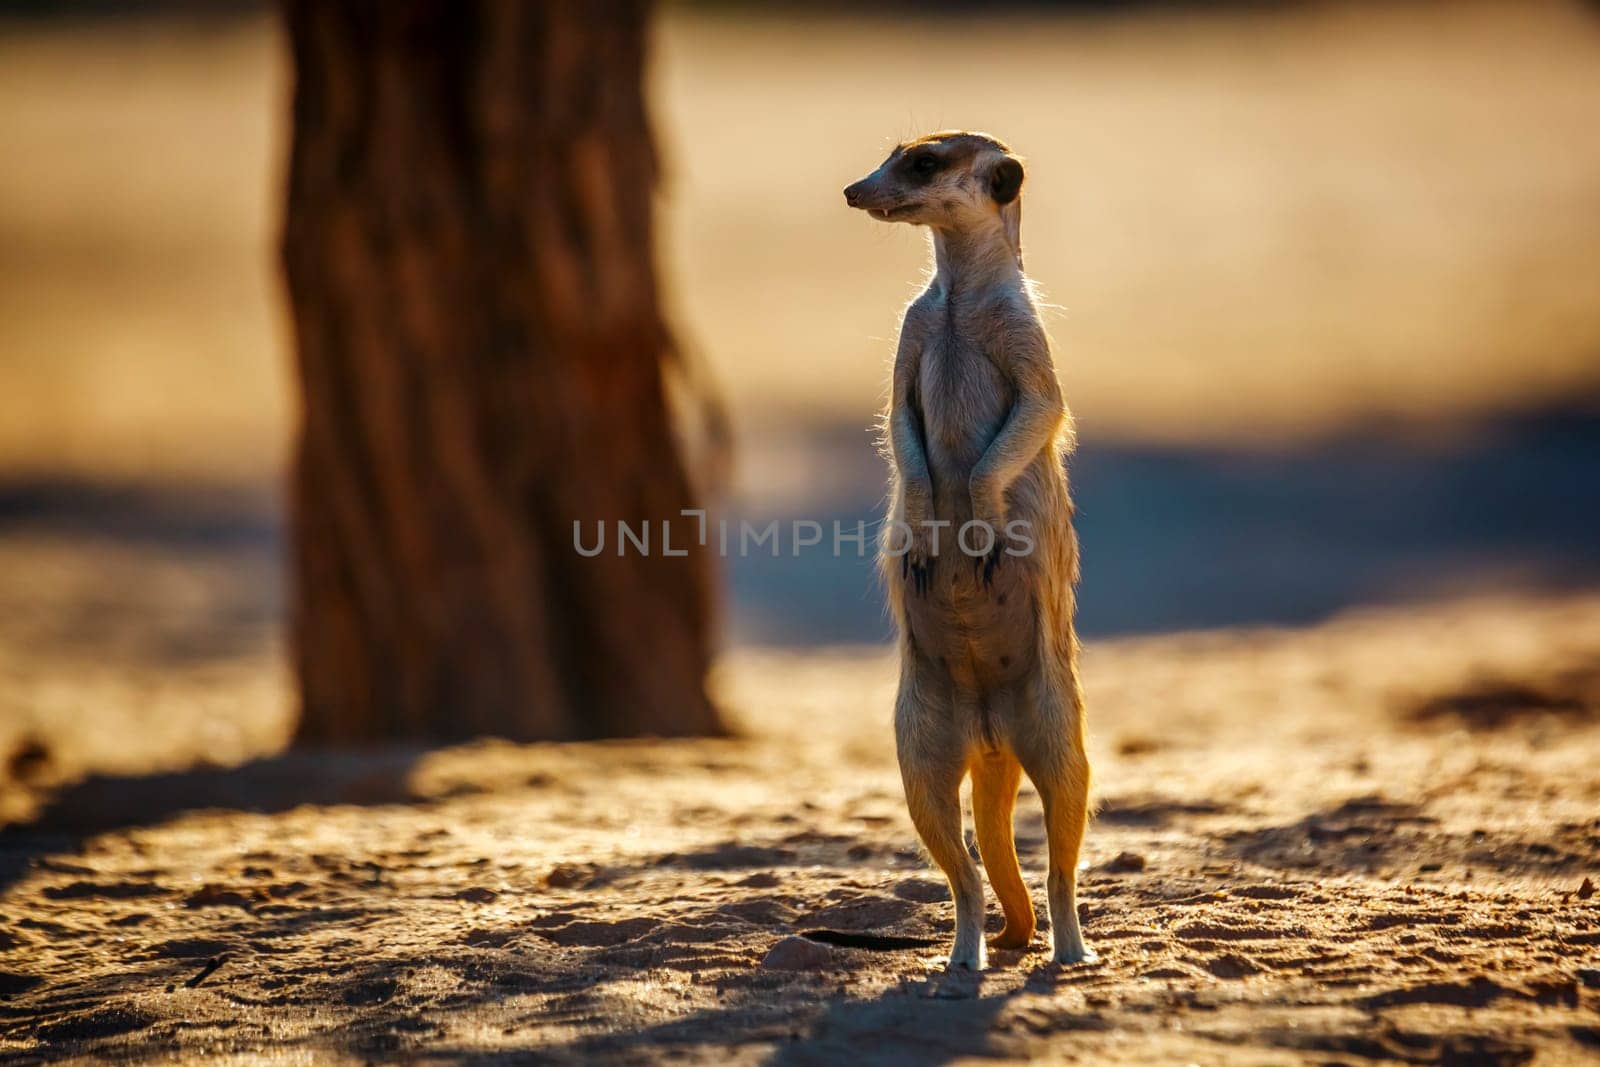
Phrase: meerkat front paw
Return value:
(989, 564)
(991, 514)
(989, 509)
(916, 566)
(918, 575)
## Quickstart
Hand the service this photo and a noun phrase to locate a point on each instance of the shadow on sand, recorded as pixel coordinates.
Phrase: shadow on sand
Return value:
(103, 803)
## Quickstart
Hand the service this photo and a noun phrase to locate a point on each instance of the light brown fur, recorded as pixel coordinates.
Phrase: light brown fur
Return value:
(977, 431)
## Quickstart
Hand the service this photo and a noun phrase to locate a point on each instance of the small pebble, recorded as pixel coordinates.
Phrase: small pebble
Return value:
(797, 954)
(922, 890)
(569, 876)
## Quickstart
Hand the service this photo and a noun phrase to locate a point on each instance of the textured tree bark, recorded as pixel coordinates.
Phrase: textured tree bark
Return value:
(469, 255)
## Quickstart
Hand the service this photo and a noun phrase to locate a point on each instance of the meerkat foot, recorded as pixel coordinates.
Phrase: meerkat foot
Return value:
(1082, 953)
(1011, 939)
(967, 957)
(967, 951)
(1070, 947)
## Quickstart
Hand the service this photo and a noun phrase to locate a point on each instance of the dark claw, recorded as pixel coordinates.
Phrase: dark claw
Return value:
(920, 575)
(990, 565)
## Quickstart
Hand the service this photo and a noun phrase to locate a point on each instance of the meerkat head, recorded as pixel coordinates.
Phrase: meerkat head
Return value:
(948, 181)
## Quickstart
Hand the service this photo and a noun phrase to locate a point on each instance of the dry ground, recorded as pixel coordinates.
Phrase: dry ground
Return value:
(1374, 840)
(1363, 841)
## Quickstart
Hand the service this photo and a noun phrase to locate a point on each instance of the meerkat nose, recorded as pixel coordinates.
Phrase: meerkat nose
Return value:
(852, 193)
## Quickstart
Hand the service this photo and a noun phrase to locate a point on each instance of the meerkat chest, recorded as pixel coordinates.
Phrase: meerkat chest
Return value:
(965, 395)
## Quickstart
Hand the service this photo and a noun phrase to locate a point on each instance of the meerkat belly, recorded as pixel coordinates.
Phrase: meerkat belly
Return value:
(981, 634)
(965, 401)
(980, 637)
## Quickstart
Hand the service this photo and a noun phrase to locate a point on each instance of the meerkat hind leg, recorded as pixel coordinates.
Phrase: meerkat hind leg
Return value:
(934, 798)
(995, 777)
(932, 765)
(1060, 772)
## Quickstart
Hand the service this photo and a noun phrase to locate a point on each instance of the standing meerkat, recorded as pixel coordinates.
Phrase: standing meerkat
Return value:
(979, 554)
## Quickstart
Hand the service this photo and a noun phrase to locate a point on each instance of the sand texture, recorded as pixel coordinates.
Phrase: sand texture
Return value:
(1373, 840)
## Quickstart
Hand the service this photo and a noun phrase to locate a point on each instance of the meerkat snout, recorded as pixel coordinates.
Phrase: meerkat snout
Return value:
(951, 180)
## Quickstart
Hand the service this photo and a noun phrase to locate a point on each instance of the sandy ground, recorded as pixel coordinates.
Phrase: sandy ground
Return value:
(1373, 840)
(1366, 840)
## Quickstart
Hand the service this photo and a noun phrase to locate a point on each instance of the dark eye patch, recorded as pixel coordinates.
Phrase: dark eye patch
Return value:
(924, 165)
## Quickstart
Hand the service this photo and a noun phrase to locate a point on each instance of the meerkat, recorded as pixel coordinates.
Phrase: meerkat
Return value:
(977, 435)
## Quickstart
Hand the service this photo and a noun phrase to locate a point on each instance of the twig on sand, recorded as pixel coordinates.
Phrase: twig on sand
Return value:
(206, 972)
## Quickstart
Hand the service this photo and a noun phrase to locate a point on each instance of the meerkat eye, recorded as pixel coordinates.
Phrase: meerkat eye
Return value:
(925, 164)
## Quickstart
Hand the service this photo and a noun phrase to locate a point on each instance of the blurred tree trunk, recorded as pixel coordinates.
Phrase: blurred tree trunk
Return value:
(468, 248)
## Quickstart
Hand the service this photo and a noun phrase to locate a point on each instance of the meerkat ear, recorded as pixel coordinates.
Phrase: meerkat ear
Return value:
(1005, 180)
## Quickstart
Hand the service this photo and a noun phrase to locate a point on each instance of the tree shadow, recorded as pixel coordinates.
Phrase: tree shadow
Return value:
(103, 803)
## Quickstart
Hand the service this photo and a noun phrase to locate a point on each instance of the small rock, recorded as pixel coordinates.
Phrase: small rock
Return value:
(477, 895)
(1589, 976)
(1126, 863)
(1429, 868)
(1137, 746)
(1586, 890)
(922, 891)
(1230, 966)
(217, 896)
(759, 880)
(797, 954)
(569, 876)
(29, 762)
(956, 985)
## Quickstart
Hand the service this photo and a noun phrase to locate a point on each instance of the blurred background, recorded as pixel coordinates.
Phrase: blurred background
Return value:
(1324, 286)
